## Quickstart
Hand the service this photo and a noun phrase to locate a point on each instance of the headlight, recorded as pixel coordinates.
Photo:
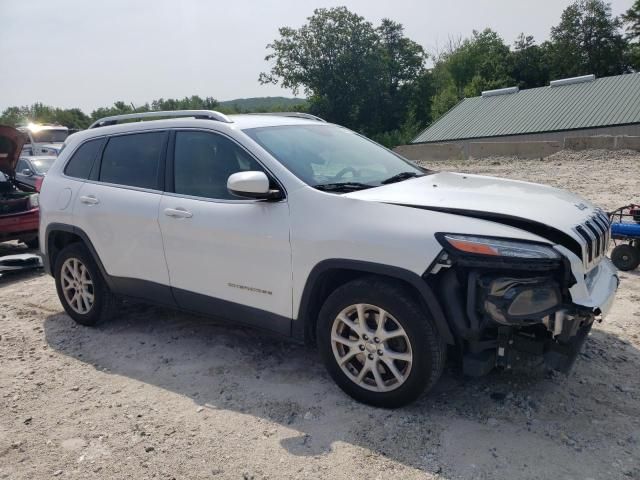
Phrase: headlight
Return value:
(497, 247)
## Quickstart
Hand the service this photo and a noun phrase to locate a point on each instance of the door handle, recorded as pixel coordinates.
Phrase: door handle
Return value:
(177, 213)
(89, 200)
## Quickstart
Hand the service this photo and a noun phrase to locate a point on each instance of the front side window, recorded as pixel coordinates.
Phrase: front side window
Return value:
(79, 166)
(328, 155)
(203, 162)
(133, 160)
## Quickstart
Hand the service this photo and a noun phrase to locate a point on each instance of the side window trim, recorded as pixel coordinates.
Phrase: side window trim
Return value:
(94, 173)
(169, 182)
(170, 166)
(160, 179)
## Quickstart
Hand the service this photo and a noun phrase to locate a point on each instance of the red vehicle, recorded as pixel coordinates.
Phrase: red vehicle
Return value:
(19, 211)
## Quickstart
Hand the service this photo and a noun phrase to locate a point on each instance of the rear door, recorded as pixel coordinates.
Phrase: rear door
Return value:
(118, 209)
(227, 256)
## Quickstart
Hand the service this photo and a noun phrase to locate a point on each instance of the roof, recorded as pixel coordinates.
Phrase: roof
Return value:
(600, 103)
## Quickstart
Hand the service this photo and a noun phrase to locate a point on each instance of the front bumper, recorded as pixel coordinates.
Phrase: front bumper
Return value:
(559, 337)
(596, 289)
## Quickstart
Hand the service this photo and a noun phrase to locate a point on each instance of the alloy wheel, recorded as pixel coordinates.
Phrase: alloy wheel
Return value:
(371, 347)
(77, 286)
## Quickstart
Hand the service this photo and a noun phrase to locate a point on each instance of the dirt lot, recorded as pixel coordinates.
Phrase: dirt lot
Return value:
(160, 394)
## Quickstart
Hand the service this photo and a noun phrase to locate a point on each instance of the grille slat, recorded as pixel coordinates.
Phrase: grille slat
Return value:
(596, 232)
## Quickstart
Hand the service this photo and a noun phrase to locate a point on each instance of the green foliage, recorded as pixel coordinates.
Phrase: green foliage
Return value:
(587, 40)
(481, 62)
(72, 117)
(631, 19)
(353, 73)
(77, 119)
(265, 104)
(529, 64)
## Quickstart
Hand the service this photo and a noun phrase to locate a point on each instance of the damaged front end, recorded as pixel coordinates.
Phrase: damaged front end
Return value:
(511, 301)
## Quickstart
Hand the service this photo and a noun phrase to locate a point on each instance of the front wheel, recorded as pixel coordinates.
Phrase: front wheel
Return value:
(378, 344)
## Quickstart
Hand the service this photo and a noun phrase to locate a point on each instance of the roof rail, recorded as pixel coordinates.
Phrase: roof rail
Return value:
(201, 114)
(308, 116)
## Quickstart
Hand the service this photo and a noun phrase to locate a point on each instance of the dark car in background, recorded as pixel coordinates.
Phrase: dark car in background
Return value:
(19, 209)
(30, 171)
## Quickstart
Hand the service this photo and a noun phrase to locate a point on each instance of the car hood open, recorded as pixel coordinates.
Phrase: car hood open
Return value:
(11, 142)
(505, 201)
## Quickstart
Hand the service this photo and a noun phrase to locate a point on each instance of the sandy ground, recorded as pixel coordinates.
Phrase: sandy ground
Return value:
(161, 394)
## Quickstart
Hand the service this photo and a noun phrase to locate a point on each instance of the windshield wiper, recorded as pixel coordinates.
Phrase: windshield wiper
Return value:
(342, 186)
(400, 177)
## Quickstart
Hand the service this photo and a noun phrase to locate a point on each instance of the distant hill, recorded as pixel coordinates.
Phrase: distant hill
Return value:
(262, 103)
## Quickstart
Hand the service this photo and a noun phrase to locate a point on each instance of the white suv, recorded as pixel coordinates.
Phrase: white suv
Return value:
(310, 230)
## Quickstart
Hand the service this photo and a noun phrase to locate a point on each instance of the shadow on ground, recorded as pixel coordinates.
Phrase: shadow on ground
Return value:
(468, 428)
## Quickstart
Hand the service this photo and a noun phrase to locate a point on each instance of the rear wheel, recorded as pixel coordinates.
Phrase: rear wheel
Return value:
(625, 257)
(81, 288)
(378, 344)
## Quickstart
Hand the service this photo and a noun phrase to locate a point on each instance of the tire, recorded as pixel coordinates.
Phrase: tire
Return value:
(33, 243)
(410, 334)
(625, 257)
(83, 311)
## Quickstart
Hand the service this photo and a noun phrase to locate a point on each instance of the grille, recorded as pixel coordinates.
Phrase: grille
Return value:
(595, 233)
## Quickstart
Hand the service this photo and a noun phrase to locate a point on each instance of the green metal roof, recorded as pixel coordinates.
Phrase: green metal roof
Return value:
(598, 103)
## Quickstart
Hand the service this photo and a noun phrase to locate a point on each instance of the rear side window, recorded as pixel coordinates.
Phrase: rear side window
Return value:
(133, 160)
(82, 160)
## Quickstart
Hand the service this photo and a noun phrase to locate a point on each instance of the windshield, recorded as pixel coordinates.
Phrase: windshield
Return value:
(328, 154)
(50, 136)
(42, 165)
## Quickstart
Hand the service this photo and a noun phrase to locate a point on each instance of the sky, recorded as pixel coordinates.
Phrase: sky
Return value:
(88, 53)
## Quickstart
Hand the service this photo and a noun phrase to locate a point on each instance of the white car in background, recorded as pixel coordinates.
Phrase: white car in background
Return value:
(43, 139)
(312, 231)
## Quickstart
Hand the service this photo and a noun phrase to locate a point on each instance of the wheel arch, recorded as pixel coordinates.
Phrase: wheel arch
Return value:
(330, 274)
(58, 236)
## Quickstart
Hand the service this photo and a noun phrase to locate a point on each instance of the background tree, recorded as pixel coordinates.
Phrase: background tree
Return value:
(332, 59)
(352, 73)
(587, 40)
(631, 19)
(529, 63)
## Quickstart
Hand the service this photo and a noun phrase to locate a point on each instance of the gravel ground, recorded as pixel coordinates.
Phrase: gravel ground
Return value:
(161, 394)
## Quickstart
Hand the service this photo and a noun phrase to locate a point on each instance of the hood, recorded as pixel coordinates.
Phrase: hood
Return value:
(511, 202)
(11, 142)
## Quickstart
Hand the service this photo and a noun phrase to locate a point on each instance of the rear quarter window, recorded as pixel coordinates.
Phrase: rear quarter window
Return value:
(81, 162)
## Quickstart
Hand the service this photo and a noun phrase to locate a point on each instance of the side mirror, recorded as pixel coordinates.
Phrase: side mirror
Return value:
(27, 172)
(252, 185)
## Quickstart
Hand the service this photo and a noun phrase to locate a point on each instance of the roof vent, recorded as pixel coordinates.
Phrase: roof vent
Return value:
(570, 81)
(500, 91)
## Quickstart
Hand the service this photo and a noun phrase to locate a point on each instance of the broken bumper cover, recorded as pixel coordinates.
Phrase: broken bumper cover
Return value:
(593, 296)
(595, 289)
(566, 330)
